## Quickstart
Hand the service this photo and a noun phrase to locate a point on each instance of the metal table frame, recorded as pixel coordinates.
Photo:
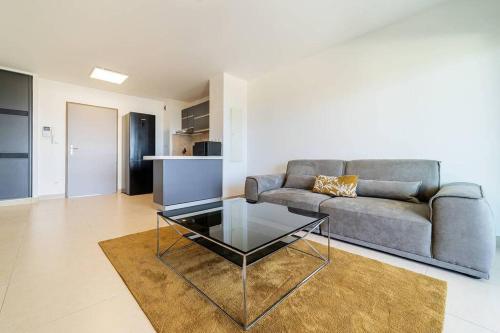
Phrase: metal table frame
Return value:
(245, 324)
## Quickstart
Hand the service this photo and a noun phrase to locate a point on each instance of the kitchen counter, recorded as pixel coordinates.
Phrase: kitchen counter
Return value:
(149, 158)
(182, 181)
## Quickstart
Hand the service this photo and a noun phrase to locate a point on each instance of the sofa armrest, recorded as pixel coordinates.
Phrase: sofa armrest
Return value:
(463, 231)
(255, 185)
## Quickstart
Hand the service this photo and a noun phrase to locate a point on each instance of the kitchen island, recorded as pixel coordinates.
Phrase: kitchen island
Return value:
(182, 181)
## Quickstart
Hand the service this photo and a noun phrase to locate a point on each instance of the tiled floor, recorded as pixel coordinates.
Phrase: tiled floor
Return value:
(54, 277)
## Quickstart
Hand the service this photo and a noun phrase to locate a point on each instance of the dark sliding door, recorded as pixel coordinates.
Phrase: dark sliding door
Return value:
(16, 101)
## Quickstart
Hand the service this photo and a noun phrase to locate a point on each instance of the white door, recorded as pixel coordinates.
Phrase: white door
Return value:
(91, 150)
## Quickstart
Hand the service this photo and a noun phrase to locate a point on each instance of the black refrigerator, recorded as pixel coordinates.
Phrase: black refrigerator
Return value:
(138, 141)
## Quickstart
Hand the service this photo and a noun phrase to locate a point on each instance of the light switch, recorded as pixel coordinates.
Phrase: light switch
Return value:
(46, 131)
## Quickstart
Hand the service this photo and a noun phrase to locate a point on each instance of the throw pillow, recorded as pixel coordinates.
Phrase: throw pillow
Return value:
(300, 181)
(342, 186)
(404, 191)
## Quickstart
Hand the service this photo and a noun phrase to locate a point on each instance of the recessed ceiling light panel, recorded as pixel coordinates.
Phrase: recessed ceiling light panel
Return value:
(109, 76)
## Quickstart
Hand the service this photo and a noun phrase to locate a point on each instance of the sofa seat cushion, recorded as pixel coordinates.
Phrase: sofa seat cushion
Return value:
(400, 225)
(295, 198)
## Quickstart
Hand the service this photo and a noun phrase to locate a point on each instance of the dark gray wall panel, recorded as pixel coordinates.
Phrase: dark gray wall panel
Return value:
(14, 178)
(14, 136)
(15, 92)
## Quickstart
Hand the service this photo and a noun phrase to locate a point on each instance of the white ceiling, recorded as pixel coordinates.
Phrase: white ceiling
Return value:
(170, 48)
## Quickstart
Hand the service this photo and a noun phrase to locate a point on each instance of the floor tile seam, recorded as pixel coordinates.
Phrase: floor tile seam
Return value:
(11, 273)
(470, 321)
(86, 307)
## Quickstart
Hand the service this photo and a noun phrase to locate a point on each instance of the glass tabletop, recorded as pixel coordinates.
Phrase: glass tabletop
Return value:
(243, 226)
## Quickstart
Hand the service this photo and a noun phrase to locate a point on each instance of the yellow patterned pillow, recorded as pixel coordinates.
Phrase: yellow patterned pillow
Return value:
(343, 186)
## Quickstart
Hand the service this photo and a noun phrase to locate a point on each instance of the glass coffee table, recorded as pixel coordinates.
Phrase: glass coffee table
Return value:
(243, 234)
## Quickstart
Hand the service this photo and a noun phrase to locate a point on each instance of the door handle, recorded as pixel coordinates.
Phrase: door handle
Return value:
(72, 149)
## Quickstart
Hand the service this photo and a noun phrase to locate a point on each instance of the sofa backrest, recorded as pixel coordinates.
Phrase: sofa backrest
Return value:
(315, 167)
(427, 171)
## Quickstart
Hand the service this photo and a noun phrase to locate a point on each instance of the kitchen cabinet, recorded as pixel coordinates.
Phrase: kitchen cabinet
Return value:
(187, 119)
(201, 117)
(196, 118)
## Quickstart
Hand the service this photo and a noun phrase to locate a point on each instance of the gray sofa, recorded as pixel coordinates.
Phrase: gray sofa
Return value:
(451, 226)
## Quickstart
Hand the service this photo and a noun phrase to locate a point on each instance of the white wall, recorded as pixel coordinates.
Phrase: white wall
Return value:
(216, 105)
(171, 122)
(197, 101)
(51, 111)
(228, 123)
(427, 87)
(235, 135)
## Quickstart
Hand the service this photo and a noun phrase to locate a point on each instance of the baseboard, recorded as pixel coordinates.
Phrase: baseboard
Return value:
(234, 196)
(25, 201)
(52, 196)
(13, 202)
